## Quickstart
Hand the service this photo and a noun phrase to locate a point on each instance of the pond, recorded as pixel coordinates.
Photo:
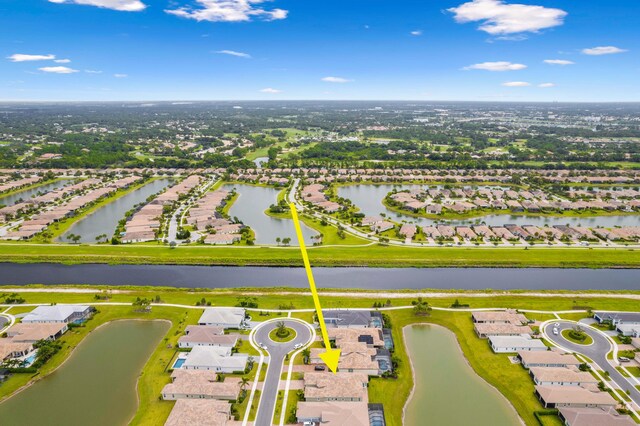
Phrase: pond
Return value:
(12, 199)
(106, 218)
(447, 390)
(362, 278)
(249, 207)
(369, 199)
(97, 384)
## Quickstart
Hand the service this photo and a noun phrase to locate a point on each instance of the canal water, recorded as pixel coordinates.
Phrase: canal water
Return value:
(369, 199)
(447, 391)
(361, 278)
(97, 384)
(249, 207)
(25, 195)
(106, 218)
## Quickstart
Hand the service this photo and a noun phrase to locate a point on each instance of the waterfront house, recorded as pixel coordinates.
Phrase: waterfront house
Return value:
(330, 413)
(547, 359)
(32, 332)
(561, 376)
(58, 313)
(593, 417)
(320, 387)
(223, 317)
(206, 335)
(352, 318)
(200, 384)
(191, 412)
(215, 358)
(573, 396)
(484, 330)
(507, 344)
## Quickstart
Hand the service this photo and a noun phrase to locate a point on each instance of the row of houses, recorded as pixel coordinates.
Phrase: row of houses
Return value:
(199, 382)
(314, 195)
(611, 177)
(203, 215)
(435, 201)
(10, 185)
(558, 381)
(40, 221)
(146, 222)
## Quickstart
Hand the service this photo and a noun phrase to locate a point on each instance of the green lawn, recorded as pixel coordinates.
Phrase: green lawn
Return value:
(291, 334)
(374, 255)
(587, 339)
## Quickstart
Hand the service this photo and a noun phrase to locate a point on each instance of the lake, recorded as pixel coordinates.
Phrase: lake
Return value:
(97, 384)
(369, 199)
(447, 391)
(10, 200)
(249, 207)
(364, 278)
(106, 218)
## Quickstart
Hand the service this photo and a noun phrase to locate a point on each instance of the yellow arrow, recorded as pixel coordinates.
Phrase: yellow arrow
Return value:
(330, 356)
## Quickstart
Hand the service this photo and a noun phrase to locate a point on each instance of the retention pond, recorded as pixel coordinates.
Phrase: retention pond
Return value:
(97, 384)
(447, 391)
(105, 220)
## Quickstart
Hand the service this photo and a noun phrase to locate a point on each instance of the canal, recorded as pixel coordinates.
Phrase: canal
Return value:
(25, 195)
(96, 385)
(106, 218)
(369, 199)
(447, 391)
(353, 278)
(249, 207)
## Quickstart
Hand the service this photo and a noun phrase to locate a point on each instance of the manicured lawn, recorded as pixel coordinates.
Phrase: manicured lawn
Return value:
(567, 334)
(374, 255)
(290, 335)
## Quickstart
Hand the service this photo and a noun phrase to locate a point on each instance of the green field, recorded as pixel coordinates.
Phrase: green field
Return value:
(372, 255)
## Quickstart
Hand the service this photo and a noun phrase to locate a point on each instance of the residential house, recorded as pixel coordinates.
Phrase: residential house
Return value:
(200, 412)
(223, 317)
(215, 358)
(507, 344)
(58, 313)
(573, 396)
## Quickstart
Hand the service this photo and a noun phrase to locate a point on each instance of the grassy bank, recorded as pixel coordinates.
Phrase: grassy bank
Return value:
(373, 255)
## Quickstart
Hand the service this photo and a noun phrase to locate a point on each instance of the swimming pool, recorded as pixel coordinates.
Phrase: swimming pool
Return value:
(179, 362)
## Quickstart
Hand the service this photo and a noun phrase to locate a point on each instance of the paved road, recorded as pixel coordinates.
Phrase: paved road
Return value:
(596, 352)
(277, 353)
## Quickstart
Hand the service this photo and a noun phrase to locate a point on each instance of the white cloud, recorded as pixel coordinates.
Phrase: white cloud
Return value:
(121, 5)
(558, 62)
(602, 50)
(335, 80)
(234, 53)
(498, 17)
(270, 90)
(58, 70)
(545, 85)
(416, 33)
(21, 57)
(228, 11)
(62, 61)
(516, 84)
(93, 71)
(496, 66)
(120, 75)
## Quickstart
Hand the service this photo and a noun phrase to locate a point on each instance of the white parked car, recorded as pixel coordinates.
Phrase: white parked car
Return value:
(297, 346)
(555, 331)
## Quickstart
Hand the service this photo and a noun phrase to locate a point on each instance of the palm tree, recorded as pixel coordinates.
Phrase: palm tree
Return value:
(278, 240)
(243, 383)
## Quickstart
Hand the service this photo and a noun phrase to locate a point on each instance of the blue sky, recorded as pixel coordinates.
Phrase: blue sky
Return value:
(487, 50)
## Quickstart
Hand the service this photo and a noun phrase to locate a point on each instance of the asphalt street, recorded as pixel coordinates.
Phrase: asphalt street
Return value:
(277, 353)
(596, 352)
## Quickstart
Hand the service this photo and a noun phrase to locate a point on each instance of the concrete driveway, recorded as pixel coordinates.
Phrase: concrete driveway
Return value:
(597, 352)
(277, 352)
